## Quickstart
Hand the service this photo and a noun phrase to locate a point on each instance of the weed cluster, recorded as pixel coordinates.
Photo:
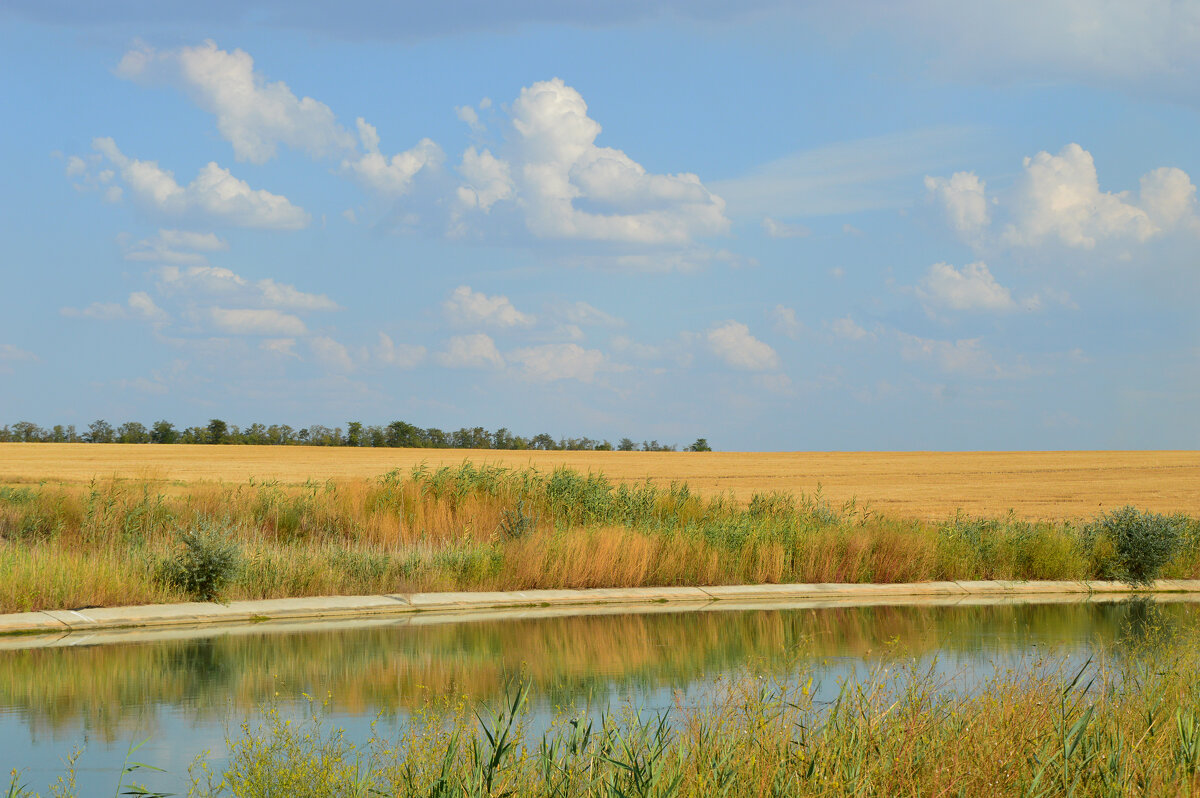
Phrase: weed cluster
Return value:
(1141, 543)
(204, 564)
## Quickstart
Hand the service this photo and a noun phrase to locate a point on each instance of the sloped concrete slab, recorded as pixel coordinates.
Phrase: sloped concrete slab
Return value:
(984, 586)
(24, 622)
(829, 591)
(199, 613)
(320, 606)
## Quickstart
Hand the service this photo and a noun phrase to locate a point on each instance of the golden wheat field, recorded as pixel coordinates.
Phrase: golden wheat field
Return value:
(928, 485)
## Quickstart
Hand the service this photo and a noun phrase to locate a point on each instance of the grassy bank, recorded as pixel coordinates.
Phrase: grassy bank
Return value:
(492, 528)
(1122, 725)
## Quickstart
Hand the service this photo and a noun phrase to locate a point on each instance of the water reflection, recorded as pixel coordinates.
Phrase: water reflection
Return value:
(184, 689)
(108, 689)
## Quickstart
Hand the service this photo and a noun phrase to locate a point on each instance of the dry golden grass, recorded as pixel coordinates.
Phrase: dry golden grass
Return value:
(926, 485)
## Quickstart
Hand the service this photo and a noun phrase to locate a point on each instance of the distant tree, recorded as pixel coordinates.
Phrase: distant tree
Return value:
(542, 441)
(217, 430)
(99, 431)
(354, 433)
(60, 435)
(163, 431)
(375, 437)
(257, 434)
(436, 439)
(401, 434)
(701, 445)
(133, 432)
(626, 445)
(194, 435)
(503, 439)
(26, 432)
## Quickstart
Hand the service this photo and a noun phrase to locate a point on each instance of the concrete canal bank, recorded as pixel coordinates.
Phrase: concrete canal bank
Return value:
(197, 613)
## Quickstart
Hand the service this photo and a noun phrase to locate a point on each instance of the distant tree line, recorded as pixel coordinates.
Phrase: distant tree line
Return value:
(398, 434)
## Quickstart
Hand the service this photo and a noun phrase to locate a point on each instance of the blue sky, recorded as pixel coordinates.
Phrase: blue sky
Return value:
(780, 226)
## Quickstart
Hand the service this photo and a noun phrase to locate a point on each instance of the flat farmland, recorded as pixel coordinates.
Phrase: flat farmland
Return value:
(927, 485)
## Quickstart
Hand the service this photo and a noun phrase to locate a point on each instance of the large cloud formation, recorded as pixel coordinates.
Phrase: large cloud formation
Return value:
(565, 186)
(1058, 199)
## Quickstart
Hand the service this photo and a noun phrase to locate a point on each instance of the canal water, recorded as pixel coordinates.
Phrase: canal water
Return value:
(183, 691)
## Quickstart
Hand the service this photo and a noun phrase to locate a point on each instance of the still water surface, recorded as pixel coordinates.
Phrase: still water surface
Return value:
(184, 690)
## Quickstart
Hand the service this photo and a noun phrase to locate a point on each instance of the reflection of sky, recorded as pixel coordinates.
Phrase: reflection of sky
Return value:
(176, 730)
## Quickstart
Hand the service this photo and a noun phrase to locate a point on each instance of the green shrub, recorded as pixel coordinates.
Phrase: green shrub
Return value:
(1141, 543)
(517, 522)
(205, 563)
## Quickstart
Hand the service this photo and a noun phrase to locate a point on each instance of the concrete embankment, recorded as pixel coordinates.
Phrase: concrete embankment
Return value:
(197, 613)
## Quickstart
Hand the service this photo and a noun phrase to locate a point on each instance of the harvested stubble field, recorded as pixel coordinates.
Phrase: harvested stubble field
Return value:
(918, 485)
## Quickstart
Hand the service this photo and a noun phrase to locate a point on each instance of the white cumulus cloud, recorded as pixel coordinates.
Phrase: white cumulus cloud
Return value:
(1169, 198)
(284, 347)
(11, 352)
(971, 288)
(567, 187)
(964, 357)
(331, 354)
(559, 362)
(733, 343)
(181, 247)
(474, 307)
(785, 322)
(253, 114)
(393, 176)
(138, 307)
(488, 180)
(963, 197)
(581, 313)
(193, 281)
(471, 351)
(848, 328)
(404, 356)
(778, 229)
(256, 321)
(1059, 197)
(214, 193)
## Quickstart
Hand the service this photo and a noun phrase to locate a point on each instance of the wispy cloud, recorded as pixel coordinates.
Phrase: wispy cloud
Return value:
(846, 177)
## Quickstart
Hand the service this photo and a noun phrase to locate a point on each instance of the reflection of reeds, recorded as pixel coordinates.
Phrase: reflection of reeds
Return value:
(399, 667)
(1115, 726)
(486, 527)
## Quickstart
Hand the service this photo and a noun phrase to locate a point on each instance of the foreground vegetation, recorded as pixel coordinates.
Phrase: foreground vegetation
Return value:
(493, 528)
(1125, 723)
